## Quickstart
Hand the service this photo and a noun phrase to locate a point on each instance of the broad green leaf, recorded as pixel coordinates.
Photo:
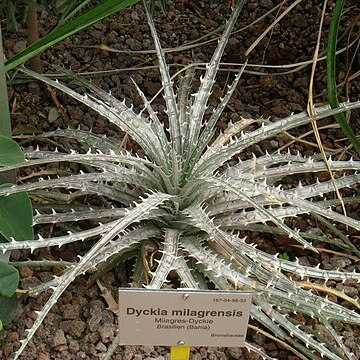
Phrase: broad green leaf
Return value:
(9, 279)
(10, 152)
(8, 307)
(16, 216)
(95, 14)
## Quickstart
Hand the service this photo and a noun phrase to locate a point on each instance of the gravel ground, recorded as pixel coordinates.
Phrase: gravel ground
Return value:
(80, 326)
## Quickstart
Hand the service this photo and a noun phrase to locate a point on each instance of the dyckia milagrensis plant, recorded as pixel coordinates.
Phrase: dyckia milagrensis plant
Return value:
(191, 202)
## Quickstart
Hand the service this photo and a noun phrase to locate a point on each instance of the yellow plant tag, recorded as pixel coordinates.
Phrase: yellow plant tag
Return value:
(179, 352)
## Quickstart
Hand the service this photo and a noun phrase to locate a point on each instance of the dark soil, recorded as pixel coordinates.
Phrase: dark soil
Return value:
(79, 326)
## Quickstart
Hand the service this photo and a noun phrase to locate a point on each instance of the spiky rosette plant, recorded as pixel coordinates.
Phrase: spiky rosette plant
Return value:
(191, 199)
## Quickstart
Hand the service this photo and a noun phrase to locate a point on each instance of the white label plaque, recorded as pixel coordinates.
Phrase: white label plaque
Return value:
(183, 317)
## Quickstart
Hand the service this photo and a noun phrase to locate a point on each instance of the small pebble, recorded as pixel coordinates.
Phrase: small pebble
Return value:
(101, 347)
(42, 356)
(59, 339)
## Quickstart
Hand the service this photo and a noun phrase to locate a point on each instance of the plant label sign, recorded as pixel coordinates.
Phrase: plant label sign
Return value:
(183, 317)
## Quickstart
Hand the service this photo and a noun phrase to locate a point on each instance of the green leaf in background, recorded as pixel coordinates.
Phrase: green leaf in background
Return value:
(9, 279)
(10, 152)
(16, 216)
(8, 307)
(331, 74)
(284, 256)
(70, 8)
(92, 16)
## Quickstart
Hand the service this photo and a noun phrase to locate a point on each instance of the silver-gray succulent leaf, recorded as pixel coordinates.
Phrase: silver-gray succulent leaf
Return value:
(196, 201)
